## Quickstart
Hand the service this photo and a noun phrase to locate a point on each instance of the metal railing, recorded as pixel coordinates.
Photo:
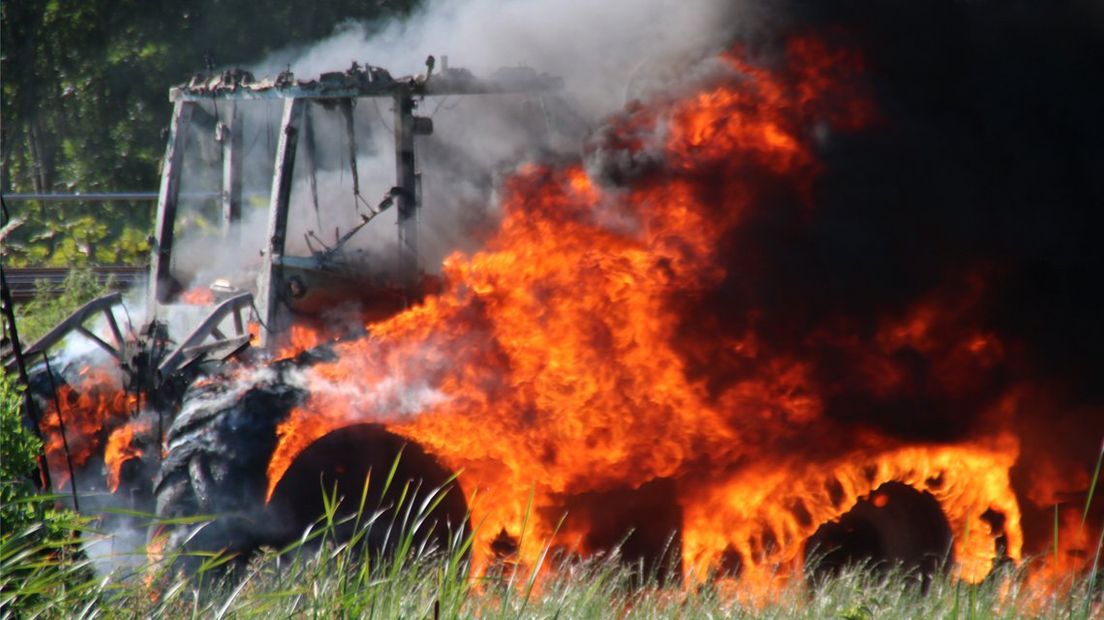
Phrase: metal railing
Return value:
(79, 197)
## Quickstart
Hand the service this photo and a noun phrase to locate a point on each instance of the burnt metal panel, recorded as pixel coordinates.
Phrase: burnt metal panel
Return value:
(161, 256)
(270, 282)
(362, 82)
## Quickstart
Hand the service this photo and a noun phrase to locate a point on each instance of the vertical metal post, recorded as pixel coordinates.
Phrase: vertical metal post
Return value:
(311, 163)
(406, 181)
(161, 259)
(232, 175)
(270, 286)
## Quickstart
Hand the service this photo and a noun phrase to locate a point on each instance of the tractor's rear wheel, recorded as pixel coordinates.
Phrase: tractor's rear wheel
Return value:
(216, 466)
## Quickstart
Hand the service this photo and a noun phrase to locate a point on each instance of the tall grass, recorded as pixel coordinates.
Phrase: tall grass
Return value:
(322, 576)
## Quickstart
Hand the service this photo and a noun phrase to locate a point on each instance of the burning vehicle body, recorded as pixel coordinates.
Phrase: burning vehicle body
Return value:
(665, 343)
(171, 382)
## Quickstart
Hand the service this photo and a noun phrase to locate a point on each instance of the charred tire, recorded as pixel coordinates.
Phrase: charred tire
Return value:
(218, 452)
(219, 448)
(355, 463)
(895, 527)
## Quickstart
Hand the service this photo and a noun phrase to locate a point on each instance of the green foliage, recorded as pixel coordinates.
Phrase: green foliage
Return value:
(47, 309)
(84, 103)
(42, 566)
(20, 449)
(37, 551)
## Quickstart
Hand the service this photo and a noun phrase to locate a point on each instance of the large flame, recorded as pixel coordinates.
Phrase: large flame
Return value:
(785, 501)
(90, 409)
(548, 366)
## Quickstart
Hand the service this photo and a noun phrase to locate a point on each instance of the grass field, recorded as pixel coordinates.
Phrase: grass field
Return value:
(316, 577)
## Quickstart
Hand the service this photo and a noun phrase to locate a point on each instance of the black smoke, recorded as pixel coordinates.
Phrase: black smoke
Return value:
(980, 185)
(978, 188)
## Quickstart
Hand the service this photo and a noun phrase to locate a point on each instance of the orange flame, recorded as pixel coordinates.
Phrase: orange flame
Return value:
(89, 410)
(198, 296)
(548, 364)
(300, 337)
(120, 449)
(784, 502)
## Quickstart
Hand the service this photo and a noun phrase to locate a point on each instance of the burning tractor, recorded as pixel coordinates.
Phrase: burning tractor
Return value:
(612, 364)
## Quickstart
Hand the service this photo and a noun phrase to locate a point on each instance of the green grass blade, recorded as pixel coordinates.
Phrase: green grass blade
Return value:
(1092, 484)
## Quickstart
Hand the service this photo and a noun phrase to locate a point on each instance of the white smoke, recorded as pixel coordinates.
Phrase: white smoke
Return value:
(605, 52)
(598, 48)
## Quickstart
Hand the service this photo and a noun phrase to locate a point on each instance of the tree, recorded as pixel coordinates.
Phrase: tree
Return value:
(85, 102)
